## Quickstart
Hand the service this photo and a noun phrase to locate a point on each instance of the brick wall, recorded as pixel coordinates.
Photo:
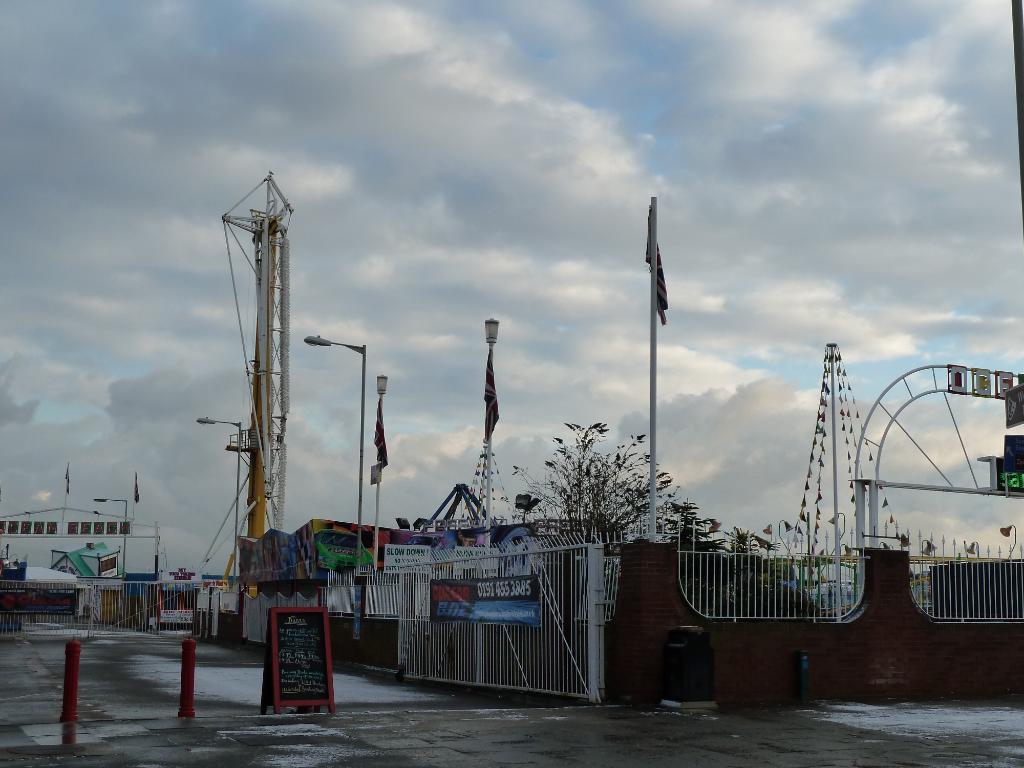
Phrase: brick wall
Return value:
(377, 645)
(890, 649)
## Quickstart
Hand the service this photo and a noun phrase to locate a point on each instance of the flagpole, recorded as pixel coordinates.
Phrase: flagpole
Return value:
(382, 460)
(833, 350)
(376, 515)
(652, 257)
(490, 440)
(124, 538)
(491, 336)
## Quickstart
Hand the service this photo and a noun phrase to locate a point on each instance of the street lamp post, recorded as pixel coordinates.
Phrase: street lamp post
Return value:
(382, 388)
(491, 335)
(238, 490)
(124, 534)
(360, 349)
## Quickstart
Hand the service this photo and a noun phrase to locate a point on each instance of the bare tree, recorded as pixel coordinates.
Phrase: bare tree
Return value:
(592, 492)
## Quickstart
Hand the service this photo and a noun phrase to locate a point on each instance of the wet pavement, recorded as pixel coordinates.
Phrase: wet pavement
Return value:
(129, 698)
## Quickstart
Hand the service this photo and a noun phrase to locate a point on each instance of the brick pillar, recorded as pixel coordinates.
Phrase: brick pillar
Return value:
(649, 604)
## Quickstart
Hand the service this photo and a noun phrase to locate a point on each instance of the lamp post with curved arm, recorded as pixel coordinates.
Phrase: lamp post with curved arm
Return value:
(360, 349)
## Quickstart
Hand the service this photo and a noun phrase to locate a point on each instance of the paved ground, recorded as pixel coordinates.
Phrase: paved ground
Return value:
(129, 701)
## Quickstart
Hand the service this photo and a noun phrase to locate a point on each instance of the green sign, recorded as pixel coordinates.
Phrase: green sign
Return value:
(1015, 481)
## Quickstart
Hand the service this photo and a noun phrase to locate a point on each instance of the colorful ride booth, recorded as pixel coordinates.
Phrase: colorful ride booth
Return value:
(350, 570)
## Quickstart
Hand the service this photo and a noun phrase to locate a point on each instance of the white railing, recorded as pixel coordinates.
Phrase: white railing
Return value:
(749, 586)
(612, 571)
(339, 596)
(380, 593)
(968, 589)
(563, 655)
(255, 611)
(97, 607)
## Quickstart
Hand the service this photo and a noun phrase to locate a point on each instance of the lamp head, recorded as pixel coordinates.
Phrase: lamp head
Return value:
(491, 330)
(101, 500)
(382, 384)
(317, 341)
(205, 420)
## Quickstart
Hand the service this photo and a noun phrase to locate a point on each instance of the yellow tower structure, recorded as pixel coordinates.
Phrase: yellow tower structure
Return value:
(265, 248)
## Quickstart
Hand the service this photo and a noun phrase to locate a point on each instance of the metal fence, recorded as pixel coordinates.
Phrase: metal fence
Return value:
(90, 608)
(380, 593)
(612, 570)
(564, 655)
(255, 611)
(968, 589)
(748, 586)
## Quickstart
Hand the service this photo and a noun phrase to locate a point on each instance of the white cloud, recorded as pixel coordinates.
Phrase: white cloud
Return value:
(825, 171)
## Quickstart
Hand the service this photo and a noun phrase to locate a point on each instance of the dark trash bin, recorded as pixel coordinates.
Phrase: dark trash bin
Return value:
(803, 674)
(689, 665)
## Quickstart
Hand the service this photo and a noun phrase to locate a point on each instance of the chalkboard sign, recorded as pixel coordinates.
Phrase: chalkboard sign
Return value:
(297, 668)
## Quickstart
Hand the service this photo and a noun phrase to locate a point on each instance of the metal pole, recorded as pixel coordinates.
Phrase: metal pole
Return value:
(376, 516)
(835, 476)
(124, 536)
(652, 255)
(238, 491)
(1018, 74)
(362, 425)
(156, 553)
(490, 441)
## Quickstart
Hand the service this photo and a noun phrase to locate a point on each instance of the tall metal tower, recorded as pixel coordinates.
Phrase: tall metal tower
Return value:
(265, 248)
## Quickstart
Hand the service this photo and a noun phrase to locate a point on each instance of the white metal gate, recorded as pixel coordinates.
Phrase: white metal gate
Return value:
(90, 608)
(563, 656)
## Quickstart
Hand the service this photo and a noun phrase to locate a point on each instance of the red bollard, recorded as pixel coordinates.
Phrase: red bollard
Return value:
(187, 702)
(72, 656)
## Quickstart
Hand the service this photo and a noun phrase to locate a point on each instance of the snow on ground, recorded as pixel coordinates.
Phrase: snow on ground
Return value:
(929, 720)
(310, 755)
(243, 684)
(284, 729)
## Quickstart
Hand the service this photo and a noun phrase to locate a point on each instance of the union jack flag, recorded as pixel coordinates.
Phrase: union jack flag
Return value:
(662, 288)
(490, 398)
(378, 435)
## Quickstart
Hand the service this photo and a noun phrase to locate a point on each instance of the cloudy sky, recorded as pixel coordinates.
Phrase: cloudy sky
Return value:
(826, 171)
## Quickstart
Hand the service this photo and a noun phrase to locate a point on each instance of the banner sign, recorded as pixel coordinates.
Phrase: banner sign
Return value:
(56, 602)
(398, 556)
(176, 616)
(513, 600)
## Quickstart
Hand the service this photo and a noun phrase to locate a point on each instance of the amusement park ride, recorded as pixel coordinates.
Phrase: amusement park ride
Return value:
(838, 426)
(264, 247)
(1004, 475)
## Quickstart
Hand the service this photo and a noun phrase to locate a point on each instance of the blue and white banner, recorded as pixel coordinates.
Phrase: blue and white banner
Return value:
(514, 600)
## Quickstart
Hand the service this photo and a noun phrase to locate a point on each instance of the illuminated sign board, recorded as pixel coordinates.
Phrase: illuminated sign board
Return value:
(1015, 406)
(71, 528)
(1010, 467)
(980, 382)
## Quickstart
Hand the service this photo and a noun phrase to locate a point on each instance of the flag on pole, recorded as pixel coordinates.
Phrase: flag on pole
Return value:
(67, 480)
(137, 497)
(662, 288)
(490, 398)
(378, 435)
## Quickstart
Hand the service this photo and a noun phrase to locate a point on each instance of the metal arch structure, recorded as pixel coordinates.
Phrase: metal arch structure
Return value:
(266, 364)
(870, 486)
